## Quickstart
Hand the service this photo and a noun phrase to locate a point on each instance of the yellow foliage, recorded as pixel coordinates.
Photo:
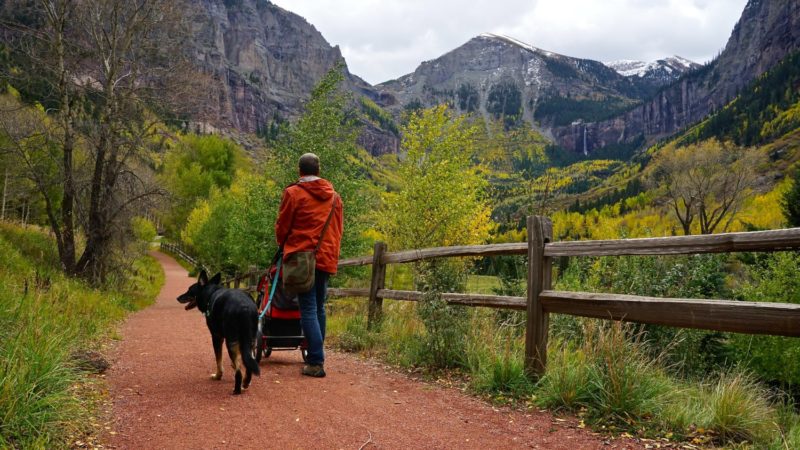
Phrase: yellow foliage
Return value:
(763, 211)
(197, 218)
(441, 198)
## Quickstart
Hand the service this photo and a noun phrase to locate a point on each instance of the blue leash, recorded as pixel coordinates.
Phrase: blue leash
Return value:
(272, 289)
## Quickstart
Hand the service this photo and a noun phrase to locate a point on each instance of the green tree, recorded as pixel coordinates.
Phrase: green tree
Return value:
(468, 98)
(505, 101)
(790, 202)
(329, 128)
(196, 166)
(234, 228)
(441, 198)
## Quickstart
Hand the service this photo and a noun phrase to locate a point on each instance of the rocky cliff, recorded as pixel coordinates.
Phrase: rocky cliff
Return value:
(767, 32)
(263, 62)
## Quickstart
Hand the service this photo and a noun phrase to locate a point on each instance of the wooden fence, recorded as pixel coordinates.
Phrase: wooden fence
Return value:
(236, 282)
(779, 319)
(176, 249)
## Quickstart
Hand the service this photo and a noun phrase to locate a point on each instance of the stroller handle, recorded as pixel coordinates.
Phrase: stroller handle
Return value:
(274, 285)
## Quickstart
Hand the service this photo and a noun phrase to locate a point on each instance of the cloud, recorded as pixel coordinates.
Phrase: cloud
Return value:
(384, 39)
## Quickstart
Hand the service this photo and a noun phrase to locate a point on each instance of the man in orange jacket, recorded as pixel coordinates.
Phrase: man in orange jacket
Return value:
(304, 210)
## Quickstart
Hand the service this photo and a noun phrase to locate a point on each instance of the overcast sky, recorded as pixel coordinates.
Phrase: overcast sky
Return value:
(385, 39)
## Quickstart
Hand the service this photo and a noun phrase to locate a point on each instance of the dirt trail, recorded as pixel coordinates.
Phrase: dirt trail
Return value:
(163, 398)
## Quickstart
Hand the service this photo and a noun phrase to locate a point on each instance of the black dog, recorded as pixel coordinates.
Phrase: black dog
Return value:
(232, 316)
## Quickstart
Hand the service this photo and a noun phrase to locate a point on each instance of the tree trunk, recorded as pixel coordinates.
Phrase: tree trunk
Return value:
(67, 246)
(5, 189)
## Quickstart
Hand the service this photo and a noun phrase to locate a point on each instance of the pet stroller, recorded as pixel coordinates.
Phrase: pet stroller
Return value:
(279, 317)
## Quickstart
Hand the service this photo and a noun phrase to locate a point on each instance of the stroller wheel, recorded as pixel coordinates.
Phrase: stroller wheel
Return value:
(267, 352)
(258, 349)
(304, 354)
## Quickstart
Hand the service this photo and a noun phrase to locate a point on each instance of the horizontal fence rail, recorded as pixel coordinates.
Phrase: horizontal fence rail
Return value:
(488, 301)
(779, 319)
(751, 241)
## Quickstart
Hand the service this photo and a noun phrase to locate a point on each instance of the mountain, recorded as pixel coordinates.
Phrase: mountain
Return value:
(501, 77)
(767, 33)
(663, 70)
(263, 63)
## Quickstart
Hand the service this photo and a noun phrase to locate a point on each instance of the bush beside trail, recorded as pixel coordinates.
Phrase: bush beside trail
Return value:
(51, 327)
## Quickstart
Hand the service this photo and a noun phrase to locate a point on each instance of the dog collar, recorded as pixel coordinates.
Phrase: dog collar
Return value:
(211, 306)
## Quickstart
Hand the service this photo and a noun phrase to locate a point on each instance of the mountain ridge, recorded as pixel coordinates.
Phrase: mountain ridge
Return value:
(531, 84)
(766, 33)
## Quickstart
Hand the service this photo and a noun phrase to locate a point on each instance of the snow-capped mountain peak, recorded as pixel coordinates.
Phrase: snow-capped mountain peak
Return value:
(671, 67)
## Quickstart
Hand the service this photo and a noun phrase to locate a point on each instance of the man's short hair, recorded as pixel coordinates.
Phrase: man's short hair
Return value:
(309, 164)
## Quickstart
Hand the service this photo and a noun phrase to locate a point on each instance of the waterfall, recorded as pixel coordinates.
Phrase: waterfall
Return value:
(585, 151)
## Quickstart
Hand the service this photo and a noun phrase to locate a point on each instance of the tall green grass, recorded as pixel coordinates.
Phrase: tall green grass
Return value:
(609, 375)
(45, 318)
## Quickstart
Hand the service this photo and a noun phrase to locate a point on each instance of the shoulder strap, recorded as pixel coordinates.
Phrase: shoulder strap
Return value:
(327, 222)
(286, 239)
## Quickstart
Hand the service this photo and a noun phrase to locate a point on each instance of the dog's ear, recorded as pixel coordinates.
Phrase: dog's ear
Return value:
(203, 278)
(216, 279)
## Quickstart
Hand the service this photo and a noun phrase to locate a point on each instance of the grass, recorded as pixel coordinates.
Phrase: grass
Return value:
(399, 277)
(45, 319)
(608, 377)
(738, 410)
(482, 284)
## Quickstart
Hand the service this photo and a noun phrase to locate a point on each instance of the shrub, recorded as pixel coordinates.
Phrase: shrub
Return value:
(773, 358)
(693, 352)
(738, 410)
(567, 381)
(445, 324)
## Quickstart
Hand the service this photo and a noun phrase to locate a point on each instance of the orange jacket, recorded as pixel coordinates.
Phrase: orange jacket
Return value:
(304, 209)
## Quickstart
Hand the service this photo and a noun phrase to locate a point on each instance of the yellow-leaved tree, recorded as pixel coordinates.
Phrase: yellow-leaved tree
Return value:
(441, 199)
(708, 181)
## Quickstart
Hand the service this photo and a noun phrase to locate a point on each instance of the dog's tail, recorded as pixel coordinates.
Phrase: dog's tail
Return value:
(247, 340)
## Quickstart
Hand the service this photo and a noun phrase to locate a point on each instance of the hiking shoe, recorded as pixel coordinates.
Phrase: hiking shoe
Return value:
(314, 370)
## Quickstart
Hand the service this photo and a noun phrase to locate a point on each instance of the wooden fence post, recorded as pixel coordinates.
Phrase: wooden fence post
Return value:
(237, 281)
(376, 283)
(540, 231)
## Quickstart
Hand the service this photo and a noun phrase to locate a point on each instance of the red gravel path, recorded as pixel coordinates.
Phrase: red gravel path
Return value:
(163, 398)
